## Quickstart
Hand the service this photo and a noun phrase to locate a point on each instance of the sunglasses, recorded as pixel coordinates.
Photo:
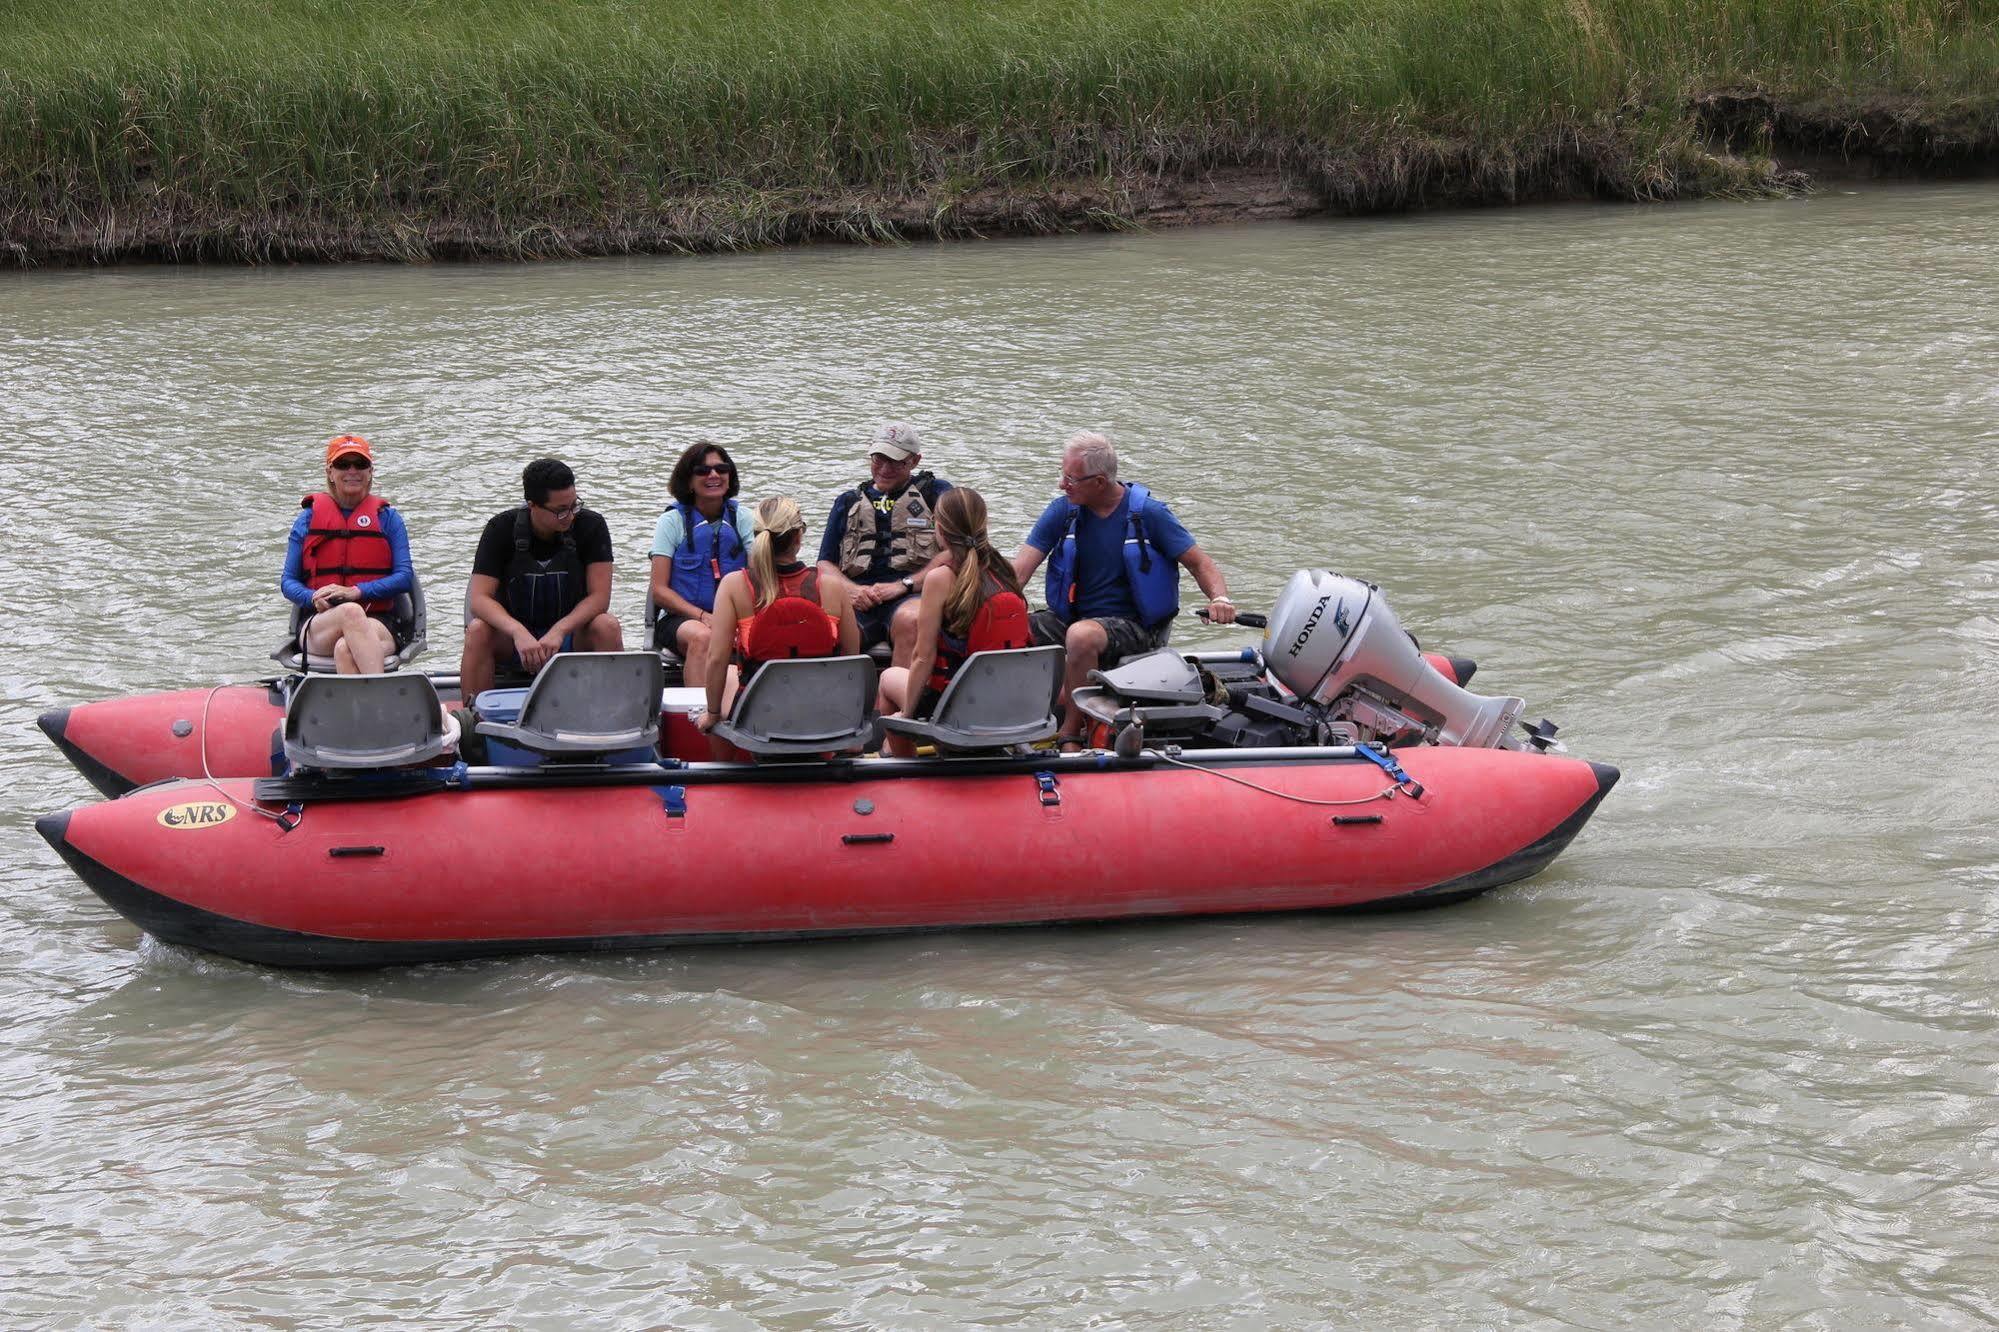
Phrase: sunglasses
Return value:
(566, 511)
(713, 469)
(351, 464)
(1071, 482)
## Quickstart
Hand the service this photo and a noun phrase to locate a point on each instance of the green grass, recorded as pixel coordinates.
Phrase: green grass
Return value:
(236, 128)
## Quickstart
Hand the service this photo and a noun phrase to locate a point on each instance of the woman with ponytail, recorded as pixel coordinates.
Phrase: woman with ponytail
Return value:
(971, 603)
(775, 607)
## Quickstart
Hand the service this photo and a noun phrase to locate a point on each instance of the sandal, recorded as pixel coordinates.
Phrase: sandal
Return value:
(1071, 743)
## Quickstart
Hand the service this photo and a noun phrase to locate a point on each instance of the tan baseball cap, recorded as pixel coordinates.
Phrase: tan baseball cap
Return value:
(896, 440)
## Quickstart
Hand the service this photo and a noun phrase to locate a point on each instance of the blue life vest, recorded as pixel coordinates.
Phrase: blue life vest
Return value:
(707, 551)
(1153, 579)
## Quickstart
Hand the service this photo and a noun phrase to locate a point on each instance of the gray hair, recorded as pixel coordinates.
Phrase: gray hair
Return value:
(1095, 451)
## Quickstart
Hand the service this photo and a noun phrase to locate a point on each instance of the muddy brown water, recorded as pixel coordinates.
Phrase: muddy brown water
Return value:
(1709, 485)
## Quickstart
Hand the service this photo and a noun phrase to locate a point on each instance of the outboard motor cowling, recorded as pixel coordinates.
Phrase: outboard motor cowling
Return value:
(1334, 642)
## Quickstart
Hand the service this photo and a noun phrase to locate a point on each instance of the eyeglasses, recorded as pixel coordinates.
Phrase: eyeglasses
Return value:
(566, 511)
(1073, 482)
(713, 469)
(883, 460)
(350, 463)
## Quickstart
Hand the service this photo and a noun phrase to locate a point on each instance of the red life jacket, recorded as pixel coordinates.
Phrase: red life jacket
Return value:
(1001, 622)
(347, 548)
(794, 624)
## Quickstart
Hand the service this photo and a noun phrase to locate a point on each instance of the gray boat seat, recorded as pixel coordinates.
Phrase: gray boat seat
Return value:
(805, 706)
(588, 703)
(1159, 676)
(409, 621)
(365, 721)
(995, 699)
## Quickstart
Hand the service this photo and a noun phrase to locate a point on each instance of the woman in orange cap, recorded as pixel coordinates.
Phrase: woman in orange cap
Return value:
(347, 562)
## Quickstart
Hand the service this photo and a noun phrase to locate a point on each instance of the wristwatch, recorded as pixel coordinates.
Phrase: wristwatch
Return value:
(908, 583)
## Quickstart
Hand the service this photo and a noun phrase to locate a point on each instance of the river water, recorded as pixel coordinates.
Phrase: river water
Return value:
(1705, 484)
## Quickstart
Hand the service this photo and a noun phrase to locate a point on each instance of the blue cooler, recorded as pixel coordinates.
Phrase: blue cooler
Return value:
(504, 705)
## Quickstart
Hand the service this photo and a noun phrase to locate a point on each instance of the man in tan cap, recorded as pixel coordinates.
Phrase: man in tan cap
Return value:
(881, 535)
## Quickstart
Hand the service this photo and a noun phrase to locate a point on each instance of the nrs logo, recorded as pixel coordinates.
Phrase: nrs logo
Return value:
(197, 814)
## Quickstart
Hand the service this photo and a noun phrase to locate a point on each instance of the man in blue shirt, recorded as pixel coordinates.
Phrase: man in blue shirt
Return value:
(1114, 559)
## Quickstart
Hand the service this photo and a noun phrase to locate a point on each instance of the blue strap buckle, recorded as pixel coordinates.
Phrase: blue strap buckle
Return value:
(1047, 792)
(674, 800)
(1378, 755)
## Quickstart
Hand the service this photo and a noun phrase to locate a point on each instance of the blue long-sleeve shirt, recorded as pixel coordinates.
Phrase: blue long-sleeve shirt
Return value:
(292, 581)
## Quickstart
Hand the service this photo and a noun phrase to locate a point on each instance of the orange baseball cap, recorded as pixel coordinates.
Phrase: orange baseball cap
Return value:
(341, 445)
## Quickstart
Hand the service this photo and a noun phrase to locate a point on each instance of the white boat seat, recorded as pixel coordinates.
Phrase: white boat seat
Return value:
(805, 706)
(364, 721)
(409, 621)
(995, 699)
(588, 703)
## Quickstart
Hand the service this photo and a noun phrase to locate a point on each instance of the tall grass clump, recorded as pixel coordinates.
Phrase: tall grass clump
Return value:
(407, 128)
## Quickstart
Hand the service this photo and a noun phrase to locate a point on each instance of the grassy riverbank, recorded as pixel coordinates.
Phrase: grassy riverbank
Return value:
(246, 129)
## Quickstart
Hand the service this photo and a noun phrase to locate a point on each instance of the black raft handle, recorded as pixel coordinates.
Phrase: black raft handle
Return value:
(356, 850)
(1343, 820)
(858, 839)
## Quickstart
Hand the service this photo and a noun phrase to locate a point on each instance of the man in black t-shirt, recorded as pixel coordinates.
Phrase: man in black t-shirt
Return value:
(541, 582)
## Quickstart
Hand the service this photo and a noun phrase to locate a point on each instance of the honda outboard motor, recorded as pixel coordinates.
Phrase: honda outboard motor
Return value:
(1333, 641)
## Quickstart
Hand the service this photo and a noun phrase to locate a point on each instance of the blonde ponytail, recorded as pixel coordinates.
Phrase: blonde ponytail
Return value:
(779, 526)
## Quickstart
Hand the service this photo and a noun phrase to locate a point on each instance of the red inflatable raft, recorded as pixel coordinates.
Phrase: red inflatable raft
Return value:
(471, 865)
(122, 743)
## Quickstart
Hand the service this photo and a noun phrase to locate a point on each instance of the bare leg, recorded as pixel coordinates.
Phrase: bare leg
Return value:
(603, 634)
(330, 626)
(475, 664)
(891, 697)
(692, 644)
(357, 644)
(719, 749)
(368, 643)
(902, 631)
(1083, 648)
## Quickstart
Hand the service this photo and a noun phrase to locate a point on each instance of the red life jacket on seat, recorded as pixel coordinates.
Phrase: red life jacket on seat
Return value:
(1001, 622)
(346, 548)
(794, 624)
